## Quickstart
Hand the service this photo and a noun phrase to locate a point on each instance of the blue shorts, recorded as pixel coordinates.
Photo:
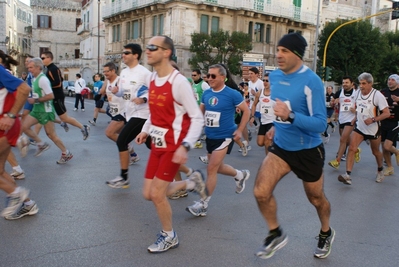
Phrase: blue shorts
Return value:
(28, 106)
(330, 112)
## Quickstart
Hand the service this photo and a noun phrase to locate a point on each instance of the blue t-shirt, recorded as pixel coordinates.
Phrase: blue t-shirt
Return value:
(304, 91)
(97, 87)
(220, 108)
(7, 80)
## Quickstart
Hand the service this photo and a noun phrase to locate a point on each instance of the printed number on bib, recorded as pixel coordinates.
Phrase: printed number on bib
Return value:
(126, 95)
(212, 119)
(158, 136)
(113, 109)
(346, 107)
(266, 109)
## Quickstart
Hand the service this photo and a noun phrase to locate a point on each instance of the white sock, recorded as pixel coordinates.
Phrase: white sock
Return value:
(239, 175)
(170, 233)
(206, 201)
(18, 169)
(15, 191)
(28, 203)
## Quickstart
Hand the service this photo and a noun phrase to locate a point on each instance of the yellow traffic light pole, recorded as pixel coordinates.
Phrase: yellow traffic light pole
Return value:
(344, 24)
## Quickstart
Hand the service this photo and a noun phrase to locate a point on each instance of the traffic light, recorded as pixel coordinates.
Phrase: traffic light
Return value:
(327, 74)
(320, 72)
(395, 11)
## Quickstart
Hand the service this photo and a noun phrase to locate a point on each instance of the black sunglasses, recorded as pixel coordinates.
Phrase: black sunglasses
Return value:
(213, 76)
(43, 58)
(152, 47)
(266, 80)
(126, 53)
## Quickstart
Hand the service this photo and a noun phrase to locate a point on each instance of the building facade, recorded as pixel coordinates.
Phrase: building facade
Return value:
(55, 23)
(16, 31)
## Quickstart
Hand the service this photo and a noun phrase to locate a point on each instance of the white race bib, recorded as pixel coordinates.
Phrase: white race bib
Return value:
(278, 119)
(158, 136)
(114, 109)
(126, 94)
(212, 119)
(345, 107)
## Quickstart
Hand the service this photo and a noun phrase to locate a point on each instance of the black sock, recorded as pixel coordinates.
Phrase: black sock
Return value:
(328, 233)
(94, 119)
(276, 232)
(380, 169)
(348, 172)
(124, 174)
(331, 124)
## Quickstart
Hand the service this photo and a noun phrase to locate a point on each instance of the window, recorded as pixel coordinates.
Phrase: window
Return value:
(78, 22)
(116, 33)
(268, 33)
(291, 30)
(43, 21)
(77, 53)
(259, 32)
(215, 24)
(128, 30)
(136, 29)
(204, 24)
(250, 28)
(43, 49)
(160, 20)
(157, 25)
(29, 19)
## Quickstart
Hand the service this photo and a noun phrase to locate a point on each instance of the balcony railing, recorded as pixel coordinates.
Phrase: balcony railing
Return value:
(70, 63)
(275, 9)
(83, 28)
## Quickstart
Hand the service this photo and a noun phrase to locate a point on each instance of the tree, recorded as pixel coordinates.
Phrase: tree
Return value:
(390, 62)
(219, 47)
(353, 49)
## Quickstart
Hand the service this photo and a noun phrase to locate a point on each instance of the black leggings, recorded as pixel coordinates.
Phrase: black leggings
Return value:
(129, 132)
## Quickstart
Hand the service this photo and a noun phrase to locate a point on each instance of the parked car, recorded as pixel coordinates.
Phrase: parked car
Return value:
(69, 88)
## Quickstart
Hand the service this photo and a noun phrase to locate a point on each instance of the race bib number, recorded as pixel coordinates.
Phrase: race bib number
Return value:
(345, 107)
(212, 119)
(158, 136)
(278, 119)
(126, 95)
(363, 111)
(95, 89)
(114, 109)
(35, 95)
(266, 109)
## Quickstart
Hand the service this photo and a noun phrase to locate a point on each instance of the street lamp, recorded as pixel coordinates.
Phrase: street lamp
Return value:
(98, 38)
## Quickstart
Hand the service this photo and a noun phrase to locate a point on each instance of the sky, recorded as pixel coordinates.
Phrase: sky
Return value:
(25, 1)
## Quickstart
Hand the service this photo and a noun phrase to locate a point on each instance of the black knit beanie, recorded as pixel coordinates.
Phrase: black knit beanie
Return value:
(295, 43)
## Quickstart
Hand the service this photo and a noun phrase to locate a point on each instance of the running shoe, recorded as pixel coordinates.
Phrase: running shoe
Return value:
(41, 149)
(92, 123)
(332, 129)
(243, 149)
(240, 184)
(198, 144)
(271, 244)
(14, 201)
(83, 109)
(133, 160)
(357, 155)
(65, 126)
(345, 178)
(200, 186)
(389, 171)
(23, 145)
(343, 158)
(178, 194)
(164, 243)
(32, 142)
(380, 177)
(367, 142)
(323, 248)
(75, 109)
(199, 208)
(203, 137)
(23, 211)
(204, 159)
(65, 158)
(118, 182)
(85, 131)
(334, 163)
(327, 138)
(18, 175)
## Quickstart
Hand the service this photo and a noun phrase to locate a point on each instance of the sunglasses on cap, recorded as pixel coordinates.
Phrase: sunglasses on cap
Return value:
(152, 47)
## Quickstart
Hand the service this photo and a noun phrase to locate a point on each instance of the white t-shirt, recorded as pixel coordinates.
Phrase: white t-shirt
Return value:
(134, 83)
(256, 86)
(116, 103)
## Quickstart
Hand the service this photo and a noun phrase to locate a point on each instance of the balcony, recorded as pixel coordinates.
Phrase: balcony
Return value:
(70, 63)
(277, 9)
(82, 28)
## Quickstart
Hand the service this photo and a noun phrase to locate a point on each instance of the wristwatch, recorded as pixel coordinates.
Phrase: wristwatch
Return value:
(186, 146)
(10, 115)
(145, 99)
(291, 117)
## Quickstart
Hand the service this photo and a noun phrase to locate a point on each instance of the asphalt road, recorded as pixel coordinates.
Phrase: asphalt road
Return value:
(83, 222)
